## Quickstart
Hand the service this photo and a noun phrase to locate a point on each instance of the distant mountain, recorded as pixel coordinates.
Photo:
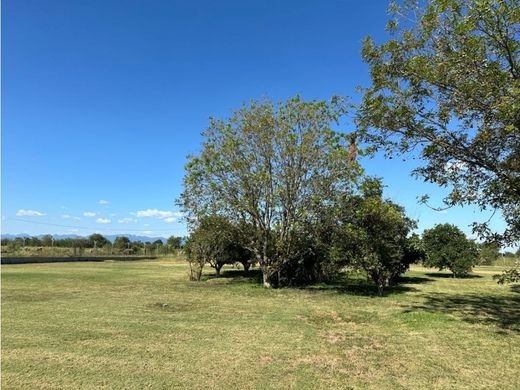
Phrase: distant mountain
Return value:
(12, 236)
(111, 237)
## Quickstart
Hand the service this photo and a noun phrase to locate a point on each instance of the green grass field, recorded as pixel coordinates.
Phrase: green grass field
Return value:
(142, 325)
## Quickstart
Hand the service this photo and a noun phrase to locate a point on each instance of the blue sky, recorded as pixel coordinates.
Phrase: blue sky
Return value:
(103, 100)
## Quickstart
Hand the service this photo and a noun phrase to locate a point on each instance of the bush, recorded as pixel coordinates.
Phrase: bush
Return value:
(448, 248)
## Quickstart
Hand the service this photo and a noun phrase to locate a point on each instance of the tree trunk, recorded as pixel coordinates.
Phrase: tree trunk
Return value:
(265, 276)
(246, 266)
(379, 281)
(380, 286)
(218, 267)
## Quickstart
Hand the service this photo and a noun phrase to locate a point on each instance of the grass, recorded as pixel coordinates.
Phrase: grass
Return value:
(143, 325)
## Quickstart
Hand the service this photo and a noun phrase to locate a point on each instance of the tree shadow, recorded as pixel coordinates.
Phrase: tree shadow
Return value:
(414, 280)
(450, 275)
(357, 286)
(501, 311)
(239, 276)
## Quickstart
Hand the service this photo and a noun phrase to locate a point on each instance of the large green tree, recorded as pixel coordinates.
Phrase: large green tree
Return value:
(448, 248)
(447, 86)
(270, 169)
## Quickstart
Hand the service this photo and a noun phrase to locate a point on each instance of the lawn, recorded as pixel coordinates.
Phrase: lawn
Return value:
(141, 325)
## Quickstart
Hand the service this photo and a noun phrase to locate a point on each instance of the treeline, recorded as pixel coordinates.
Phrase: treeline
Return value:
(121, 244)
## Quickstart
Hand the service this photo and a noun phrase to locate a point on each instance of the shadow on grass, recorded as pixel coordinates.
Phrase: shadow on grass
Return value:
(239, 276)
(343, 284)
(450, 275)
(501, 311)
(358, 286)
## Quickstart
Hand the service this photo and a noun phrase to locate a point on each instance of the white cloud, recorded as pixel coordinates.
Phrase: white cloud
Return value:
(66, 216)
(103, 202)
(103, 220)
(154, 213)
(112, 214)
(89, 214)
(170, 219)
(29, 213)
(127, 220)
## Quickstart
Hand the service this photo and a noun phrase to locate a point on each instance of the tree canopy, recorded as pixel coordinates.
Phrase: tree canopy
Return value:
(448, 248)
(447, 86)
(270, 169)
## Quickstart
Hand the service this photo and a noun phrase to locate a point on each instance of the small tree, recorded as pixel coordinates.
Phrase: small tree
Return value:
(215, 241)
(373, 236)
(448, 248)
(47, 240)
(98, 240)
(174, 242)
(489, 253)
(121, 243)
(196, 251)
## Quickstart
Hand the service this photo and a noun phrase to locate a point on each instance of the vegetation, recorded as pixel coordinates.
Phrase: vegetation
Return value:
(448, 248)
(511, 275)
(447, 86)
(272, 168)
(372, 236)
(95, 244)
(489, 253)
(278, 179)
(142, 324)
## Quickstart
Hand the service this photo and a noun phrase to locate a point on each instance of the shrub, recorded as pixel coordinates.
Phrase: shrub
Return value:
(448, 248)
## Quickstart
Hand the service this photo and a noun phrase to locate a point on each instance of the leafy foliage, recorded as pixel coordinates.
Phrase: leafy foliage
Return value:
(215, 241)
(448, 248)
(447, 85)
(372, 236)
(271, 169)
(511, 275)
(488, 253)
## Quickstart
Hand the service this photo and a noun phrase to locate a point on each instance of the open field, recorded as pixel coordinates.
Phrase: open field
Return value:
(143, 325)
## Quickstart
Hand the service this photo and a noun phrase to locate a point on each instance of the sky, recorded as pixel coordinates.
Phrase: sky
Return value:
(103, 100)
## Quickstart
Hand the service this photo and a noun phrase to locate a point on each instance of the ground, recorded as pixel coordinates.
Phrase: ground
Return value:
(141, 325)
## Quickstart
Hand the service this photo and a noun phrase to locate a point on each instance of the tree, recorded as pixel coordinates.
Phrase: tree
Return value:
(121, 243)
(174, 242)
(489, 253)
(447, 85)
(97, 240)
(448, 248)
(34, 241)
(215, 241)
(270, 168)
(196, 255)
(372, 236)
(47, 240)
